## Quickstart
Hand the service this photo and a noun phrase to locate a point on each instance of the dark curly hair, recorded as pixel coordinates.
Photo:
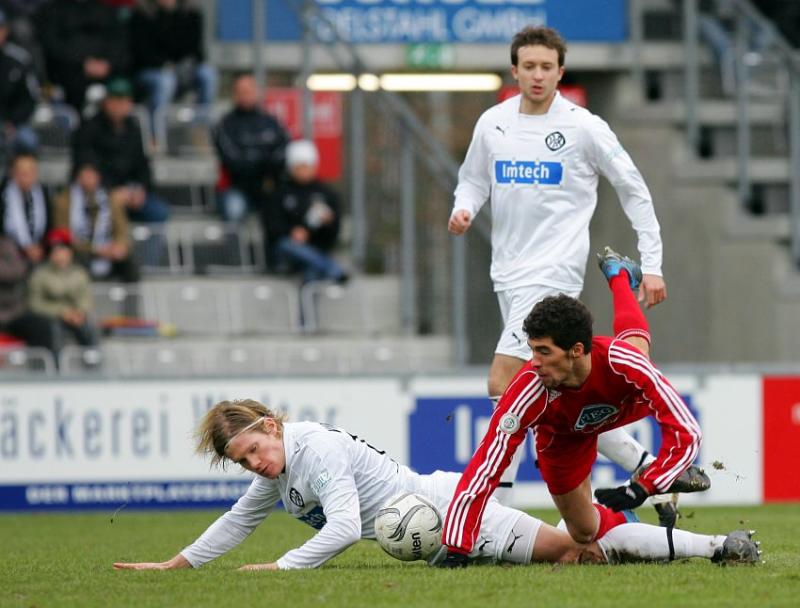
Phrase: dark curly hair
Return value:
(565, 320)
(543, 36)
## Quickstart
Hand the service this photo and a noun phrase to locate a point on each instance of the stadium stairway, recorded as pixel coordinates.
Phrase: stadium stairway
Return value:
(734, 295)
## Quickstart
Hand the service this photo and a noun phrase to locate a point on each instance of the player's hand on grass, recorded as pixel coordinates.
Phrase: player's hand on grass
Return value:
(176, 562)
(252, 567)
(141, 566)
(460, 221)
(623, 497)
(653, 290)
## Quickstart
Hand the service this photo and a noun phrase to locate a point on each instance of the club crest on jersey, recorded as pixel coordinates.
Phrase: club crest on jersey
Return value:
(528, 172)
(594, 415)
(555, 141)
(296, 498)
(509, 424)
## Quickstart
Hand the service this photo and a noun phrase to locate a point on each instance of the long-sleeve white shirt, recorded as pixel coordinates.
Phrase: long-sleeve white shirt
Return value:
(541, 174)
(333, 481)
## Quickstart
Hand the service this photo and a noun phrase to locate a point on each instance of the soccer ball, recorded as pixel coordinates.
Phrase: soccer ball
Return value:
(409, 527)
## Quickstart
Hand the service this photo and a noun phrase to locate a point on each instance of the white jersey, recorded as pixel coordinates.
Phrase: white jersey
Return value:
(334, 482)
(541, 173)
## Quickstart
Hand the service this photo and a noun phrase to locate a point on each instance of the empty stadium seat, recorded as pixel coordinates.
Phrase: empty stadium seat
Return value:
(86, 361)
(182, 130)
(164, 359)
(243, 359)
(54, 125)
(312, 358)
(363, 306)
(215, 248)
(119, 300)
(156, 251)
(194, 307)
(265, 307)
(18, 362)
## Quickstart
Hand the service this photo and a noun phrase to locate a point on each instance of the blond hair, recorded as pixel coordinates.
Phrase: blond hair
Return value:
(226, 420)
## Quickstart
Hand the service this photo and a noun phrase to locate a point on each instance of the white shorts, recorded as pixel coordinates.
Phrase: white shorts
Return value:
(506, 534)
(515, 305)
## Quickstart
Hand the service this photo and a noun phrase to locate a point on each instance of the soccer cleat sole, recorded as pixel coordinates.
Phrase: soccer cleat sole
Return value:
(611, 262)
(693, 479)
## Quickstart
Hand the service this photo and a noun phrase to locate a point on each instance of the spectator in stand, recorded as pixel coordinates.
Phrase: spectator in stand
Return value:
(16, 319)
(19, 92)
(62, 290)
(112, 141)
(99, 227)
(20, 14)
(251, 145)
(84, 42)
(301, 220)
(24, 207)
(168, 56)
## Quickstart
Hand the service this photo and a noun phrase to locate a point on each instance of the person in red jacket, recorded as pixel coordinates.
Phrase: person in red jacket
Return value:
(575, 387)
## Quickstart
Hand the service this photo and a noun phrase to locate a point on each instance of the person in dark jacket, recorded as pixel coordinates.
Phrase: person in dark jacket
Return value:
(301, 219)
(16, 318)
(19, 92)
(112, 142)
(84, 42)
(168, 55)
(251, 145)
(25, 207)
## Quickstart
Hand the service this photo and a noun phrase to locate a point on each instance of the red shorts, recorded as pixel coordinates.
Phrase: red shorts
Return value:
(565, 460)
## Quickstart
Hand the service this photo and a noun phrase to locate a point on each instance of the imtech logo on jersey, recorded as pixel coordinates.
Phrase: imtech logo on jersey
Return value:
(528, 172)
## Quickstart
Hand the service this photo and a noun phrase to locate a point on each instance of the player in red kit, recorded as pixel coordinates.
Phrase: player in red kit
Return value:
(575, 387)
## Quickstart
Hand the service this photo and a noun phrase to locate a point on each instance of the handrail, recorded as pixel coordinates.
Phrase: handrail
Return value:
(748, 18)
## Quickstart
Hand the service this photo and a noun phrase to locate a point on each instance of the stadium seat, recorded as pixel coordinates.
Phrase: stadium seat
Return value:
(243, 359)
(313, 358)
(175, 360)
(156, 250)
(18, 362)
(54, 125)
(363, 306)
(182, 130)
(193, 307)
(216, 248)
(82, 361)
(265, 307)
(119, 300)
(384, 357)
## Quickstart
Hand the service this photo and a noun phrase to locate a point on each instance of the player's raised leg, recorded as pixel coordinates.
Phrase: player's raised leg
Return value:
(624, 276)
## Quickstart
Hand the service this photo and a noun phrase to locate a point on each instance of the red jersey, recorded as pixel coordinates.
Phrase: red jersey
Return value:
(623, 386)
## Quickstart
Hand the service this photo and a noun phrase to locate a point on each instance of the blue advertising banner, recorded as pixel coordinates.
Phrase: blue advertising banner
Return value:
(430, 21)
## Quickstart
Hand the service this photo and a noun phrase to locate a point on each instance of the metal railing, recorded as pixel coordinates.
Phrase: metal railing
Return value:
(748, 24)
(416, 147)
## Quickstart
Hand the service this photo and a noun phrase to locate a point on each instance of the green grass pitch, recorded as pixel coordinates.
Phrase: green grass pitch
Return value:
(65, 560)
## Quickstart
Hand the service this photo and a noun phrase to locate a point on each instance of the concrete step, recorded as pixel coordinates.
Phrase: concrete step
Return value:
(762, 170)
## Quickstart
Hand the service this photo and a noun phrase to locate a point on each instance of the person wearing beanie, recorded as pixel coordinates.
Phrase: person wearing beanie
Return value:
(301, 220)
(61, 289)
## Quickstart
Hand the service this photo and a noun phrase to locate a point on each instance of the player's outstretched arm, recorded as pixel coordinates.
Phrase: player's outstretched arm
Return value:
(254, 567)
(173, 564)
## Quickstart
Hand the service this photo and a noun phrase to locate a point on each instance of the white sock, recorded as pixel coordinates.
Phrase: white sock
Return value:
(619, 446)
(643, 542)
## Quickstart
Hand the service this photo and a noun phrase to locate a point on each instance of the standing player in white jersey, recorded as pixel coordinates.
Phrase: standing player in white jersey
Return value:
(336, 483)
(538, 158)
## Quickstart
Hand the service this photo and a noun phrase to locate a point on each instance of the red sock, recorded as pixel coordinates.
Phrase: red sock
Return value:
(629, 320)
(608, 519)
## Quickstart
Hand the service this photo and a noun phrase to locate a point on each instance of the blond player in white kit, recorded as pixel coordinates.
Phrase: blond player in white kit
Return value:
(538, 158)
(336, 483)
